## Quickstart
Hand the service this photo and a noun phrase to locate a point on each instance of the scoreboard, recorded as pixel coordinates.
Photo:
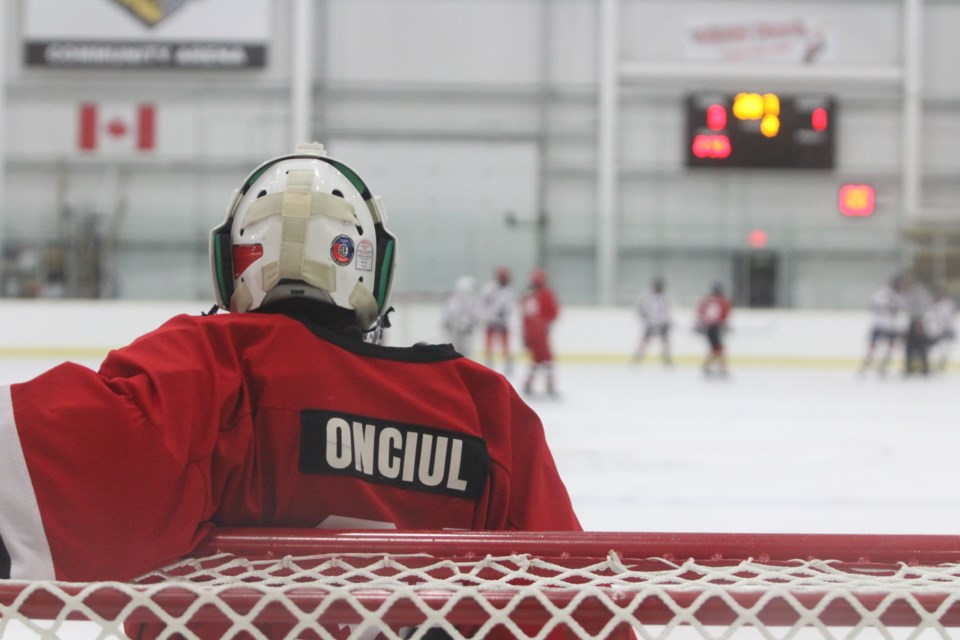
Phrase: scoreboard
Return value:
(760, 130)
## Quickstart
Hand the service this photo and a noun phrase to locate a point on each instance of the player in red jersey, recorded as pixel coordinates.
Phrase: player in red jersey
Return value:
(278, 413)
(540, 309)
(712, 315)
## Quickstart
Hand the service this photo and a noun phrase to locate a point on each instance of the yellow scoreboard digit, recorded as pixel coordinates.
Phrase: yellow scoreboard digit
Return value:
(760, 130)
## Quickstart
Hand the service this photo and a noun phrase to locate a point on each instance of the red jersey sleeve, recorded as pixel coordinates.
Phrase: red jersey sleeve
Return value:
(118, 459)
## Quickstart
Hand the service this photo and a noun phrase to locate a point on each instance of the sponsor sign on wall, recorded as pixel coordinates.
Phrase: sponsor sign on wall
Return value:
(146, 34)
(787, 39)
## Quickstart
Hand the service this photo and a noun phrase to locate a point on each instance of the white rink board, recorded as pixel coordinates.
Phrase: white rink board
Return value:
(55, 327)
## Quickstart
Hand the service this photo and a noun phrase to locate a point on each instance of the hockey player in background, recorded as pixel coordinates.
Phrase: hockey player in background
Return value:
(886, 306)
(941, 320)
(461, 314)
(713, 313)
(917, 302)
(498, 300)
(539, 309)
(654, 308)
(276, 414)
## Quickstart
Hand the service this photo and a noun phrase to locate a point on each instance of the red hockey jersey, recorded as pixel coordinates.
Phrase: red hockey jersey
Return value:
(260, 419)
(713, 310)
(540, 310)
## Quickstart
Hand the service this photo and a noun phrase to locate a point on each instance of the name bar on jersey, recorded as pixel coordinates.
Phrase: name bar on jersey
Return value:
(403, 455)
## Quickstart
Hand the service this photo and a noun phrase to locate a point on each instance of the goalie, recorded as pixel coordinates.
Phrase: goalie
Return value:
(278, 413)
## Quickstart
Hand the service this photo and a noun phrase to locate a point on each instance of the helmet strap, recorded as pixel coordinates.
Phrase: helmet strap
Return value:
(242, 299)
(296, 205)
(364, 305)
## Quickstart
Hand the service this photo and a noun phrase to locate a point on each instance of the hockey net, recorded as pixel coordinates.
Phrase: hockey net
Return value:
(314, 584)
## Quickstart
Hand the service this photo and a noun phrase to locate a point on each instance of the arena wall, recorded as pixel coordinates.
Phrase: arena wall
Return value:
(478, 122)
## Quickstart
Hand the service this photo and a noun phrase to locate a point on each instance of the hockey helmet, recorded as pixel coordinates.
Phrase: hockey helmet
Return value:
(464, 285)
(304, 226)
(538, 278)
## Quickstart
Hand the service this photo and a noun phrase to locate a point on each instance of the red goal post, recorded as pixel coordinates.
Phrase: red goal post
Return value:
(314, 583)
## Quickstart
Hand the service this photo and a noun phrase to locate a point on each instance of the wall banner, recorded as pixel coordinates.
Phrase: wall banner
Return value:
(802, 40)
(146, 34)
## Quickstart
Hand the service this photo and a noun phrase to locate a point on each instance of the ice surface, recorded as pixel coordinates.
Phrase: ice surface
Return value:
(766, 450)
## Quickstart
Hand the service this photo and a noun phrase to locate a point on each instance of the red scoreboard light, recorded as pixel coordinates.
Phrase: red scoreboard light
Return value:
(754, 130)
(856, 200)
(757, 239)
(716, 117)
(711, 146)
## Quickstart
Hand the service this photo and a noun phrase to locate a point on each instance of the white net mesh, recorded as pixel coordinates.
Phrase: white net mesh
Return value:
(589, 593)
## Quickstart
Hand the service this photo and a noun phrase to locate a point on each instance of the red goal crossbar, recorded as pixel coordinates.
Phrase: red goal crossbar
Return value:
(712, 579)
(847, 548)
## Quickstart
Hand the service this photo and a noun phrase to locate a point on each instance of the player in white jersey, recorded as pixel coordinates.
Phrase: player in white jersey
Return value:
(461, 315)
(941, 320)
(498, 300)
(886, 305)
(655, 312)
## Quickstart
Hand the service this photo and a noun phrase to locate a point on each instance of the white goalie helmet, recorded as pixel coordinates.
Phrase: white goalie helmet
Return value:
(304, 226)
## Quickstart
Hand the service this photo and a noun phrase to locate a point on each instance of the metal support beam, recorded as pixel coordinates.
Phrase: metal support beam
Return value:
(912, 108)
(543, 113)
(301, 72)
(607, 153)
(821, 77)
(4, 9)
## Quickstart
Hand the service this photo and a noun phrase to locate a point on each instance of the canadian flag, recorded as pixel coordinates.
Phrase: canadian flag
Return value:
(117, 127)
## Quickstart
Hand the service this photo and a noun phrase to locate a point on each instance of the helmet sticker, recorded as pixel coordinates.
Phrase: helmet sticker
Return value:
(364, 255)
(341, 250)
(244, 255)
